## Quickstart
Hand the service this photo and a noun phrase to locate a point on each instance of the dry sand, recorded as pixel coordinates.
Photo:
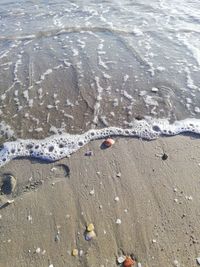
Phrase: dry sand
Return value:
(159, 206)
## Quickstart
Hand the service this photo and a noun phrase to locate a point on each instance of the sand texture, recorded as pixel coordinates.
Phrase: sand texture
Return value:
(157, 201)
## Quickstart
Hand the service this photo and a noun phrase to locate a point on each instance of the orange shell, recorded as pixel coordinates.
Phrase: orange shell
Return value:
(128, 262)
(109, 142)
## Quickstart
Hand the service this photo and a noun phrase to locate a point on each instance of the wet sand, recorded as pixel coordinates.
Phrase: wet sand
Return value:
(158, 205)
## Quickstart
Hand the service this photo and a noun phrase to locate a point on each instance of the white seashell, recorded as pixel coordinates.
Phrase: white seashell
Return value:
(38, 250)
(154, 89)
(116, 199)
(118, 221)
(121, 259)
(92, 192)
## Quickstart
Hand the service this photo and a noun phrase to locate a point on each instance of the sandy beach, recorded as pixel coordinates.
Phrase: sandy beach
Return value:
(138, 203)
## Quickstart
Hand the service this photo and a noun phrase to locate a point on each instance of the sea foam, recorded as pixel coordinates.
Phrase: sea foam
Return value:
(59, 146)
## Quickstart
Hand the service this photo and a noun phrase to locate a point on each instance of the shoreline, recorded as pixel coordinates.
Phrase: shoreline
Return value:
(59, 146)
(157, 204)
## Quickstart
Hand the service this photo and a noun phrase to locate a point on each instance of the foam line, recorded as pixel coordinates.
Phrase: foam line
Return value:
(59, 146)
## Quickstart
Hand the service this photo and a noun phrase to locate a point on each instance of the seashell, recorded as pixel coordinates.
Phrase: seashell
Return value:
(90, 227)
(128, 262)
(92, 192)
(75, 252)
(109, 142)
(118, 221)
(90, 235)
(38, 250)
(121, 259)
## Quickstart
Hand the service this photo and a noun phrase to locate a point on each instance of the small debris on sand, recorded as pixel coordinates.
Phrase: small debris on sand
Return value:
(176, 263)
(108, 142)
(118, 221)
(121, 259)
(189, 197)
(89, 153)
(90, 227)
(164, 156)
(129, 262)
(5, 202)
(38, 250)
(154, 89)
(198, 260)
(92, 192)
(75, 252)
(90, 235)
(116, 199)
(29, 218)
(119, 174)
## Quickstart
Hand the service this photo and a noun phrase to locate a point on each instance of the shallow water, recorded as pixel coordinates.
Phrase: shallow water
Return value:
(72, 66)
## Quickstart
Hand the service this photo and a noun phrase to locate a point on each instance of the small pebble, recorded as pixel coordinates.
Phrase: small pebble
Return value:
(92, 192)
(121, 259)
(38, 250)
(109, 142)
(118, 221)
(29, 218)
(139, 264)
(154, 89)
(116, 199)
(176, 263)
(90, 227)
(164, 156)
(90, 235)
(53, 169)
(75, 252)
(176, 200)
(119, 174)
(43, 252)
(51, 265)
(88, 153)
(154, 241)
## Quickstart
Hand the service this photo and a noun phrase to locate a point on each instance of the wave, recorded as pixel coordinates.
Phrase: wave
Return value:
(64, 30)
(57, 147)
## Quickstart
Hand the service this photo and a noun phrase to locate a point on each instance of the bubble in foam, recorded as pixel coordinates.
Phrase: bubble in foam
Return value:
(59, 146)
